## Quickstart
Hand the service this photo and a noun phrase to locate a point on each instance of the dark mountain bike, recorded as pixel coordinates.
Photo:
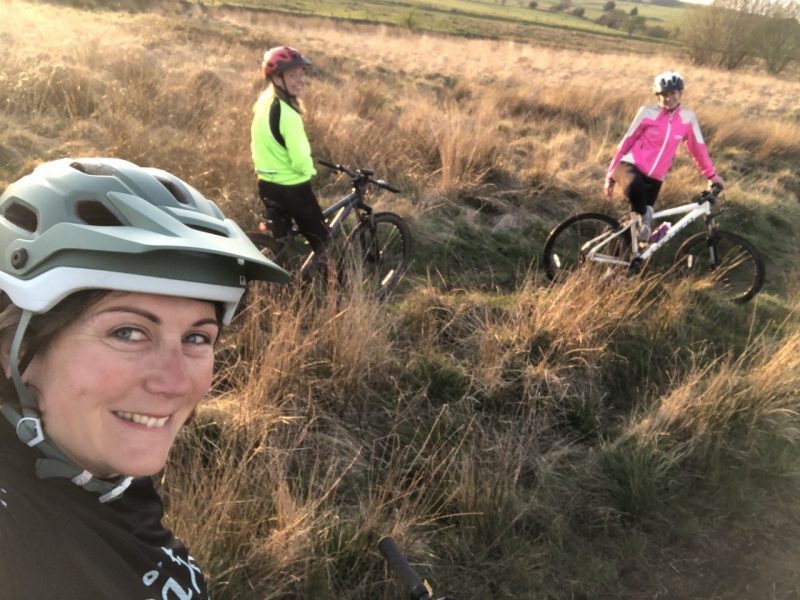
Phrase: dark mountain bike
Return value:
(377, 247)
(418, 588)
(596, 240)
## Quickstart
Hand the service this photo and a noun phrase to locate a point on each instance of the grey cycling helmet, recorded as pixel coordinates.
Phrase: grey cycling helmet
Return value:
(104, 223)
(667, 82)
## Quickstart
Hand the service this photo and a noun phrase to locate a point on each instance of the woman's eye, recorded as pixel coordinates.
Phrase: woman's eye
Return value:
(128, 334)
(198, 338)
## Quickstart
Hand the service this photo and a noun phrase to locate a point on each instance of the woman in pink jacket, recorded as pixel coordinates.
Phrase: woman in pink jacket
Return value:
(646, 152)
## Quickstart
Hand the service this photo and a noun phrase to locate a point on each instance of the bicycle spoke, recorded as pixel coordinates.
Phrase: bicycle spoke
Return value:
(582, 238)
(384, 249)
(730, 263)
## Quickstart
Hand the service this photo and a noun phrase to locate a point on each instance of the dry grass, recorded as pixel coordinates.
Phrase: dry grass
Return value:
(535, 442)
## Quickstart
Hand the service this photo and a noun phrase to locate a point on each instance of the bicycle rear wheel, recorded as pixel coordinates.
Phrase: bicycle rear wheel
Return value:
(567, 245)
(734, 265)
(381, 249)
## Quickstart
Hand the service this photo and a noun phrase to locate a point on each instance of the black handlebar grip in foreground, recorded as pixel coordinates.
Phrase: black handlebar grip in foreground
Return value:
(387, 186)
(392, 554)
(330, 165)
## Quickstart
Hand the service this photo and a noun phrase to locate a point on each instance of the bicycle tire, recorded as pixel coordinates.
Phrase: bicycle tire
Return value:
(736, 265)
(382, 251)
(563, 250)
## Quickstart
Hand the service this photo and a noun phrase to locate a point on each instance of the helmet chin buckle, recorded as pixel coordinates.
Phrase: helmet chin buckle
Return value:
(29, 430)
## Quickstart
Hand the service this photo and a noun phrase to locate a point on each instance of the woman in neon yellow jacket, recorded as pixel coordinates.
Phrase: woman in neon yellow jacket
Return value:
(281, 152)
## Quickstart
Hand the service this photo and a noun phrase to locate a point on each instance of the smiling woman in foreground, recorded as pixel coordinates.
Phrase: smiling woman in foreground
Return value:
(115, 282)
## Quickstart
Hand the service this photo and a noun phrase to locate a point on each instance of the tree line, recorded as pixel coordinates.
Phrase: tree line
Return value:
(733, 33)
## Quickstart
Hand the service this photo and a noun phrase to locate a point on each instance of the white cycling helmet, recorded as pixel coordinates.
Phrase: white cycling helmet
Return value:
(666, 82)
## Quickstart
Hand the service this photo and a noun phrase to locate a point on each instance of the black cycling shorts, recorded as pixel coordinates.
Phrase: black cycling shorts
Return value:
(285, 203)
(640, 190)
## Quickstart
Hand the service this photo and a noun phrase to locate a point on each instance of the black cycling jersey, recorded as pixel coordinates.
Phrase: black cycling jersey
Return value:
(57, 541)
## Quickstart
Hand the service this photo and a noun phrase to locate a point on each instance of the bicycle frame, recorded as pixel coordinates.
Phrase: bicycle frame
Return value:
(692, 212)
(364, 232)
(341, 209)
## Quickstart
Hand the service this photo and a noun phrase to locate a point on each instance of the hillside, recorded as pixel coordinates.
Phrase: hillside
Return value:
(520, 440)
(557, 23)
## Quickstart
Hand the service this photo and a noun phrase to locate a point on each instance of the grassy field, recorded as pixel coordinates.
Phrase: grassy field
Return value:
(520, 440)
(508, 20)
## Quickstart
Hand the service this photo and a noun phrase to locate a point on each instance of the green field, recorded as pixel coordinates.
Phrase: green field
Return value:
(511, 19)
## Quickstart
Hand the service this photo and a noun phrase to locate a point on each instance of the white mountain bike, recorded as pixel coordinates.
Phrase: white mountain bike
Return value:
(587, 240)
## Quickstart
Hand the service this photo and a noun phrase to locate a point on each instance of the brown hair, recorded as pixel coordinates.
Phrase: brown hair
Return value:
(42, 329)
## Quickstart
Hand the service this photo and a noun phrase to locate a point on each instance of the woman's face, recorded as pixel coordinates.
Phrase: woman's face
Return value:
(670, 100)
(115, 386)
(295, 79)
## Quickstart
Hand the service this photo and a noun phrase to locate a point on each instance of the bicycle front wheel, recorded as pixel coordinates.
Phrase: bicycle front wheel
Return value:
(568, 244)
(731, 262)
(381, 246)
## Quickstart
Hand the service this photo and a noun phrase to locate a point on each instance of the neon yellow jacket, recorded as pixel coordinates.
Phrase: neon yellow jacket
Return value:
(284, 161)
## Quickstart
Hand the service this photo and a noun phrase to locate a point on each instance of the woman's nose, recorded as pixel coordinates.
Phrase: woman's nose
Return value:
(169, 373)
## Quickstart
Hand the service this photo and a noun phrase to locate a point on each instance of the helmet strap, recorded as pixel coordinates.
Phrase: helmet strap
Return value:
(283, 94)
(28, 426)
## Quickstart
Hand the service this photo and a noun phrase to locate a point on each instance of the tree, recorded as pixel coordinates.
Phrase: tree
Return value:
(579, 11)
(778, 38)
(633, 24)
(634, 11)
(610, 5)
(731, 33)
(612, 19)
(533, 4)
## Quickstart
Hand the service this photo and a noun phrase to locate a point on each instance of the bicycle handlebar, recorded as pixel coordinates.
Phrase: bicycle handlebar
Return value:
(360, 175)
(710, 195)
(392, 554)
(420, 590)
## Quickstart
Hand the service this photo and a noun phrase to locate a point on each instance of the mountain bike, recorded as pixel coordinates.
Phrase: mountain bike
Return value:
(377, 247)
(419, 588)
(732, 263)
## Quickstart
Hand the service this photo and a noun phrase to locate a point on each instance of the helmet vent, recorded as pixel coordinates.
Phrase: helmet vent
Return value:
(173, 189)
(93, 212)
(22, 216)
(92, 168)
(208, 230)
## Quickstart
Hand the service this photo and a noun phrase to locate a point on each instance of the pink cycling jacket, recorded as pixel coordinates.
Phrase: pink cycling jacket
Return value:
(653, 139)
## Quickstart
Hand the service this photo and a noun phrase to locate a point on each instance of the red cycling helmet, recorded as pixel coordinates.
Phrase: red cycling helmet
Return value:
(280, 59)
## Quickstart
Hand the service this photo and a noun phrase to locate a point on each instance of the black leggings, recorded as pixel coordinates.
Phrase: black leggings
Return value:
(640, 190)
(286, 202)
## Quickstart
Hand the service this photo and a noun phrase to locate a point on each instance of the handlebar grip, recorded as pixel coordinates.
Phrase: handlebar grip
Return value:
(329, 164)
(395, 558)
(387, 186)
